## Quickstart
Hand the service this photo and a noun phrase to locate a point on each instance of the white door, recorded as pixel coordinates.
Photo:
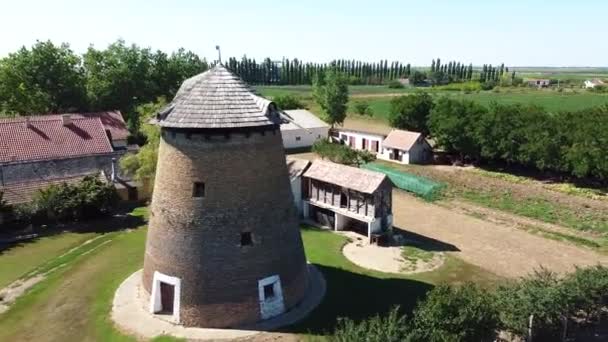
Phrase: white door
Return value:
(271, 297)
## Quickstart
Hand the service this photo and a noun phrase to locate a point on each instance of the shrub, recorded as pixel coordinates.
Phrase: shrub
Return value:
(395, 84)
(488, 85)
(363, 108)
(538, 295)
(376, 329)
(288, 101)
(341, 154)
(464, 313)
(86, 199)
(5, 208)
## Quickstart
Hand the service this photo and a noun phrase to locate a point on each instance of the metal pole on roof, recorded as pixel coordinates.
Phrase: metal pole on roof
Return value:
(219, 53)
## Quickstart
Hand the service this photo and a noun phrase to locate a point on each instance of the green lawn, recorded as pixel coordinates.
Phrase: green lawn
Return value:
(74, 301)
(358, 293)
(22, 259)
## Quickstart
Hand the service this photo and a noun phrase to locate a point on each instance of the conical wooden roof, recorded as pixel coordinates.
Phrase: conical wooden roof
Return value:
(217, 98)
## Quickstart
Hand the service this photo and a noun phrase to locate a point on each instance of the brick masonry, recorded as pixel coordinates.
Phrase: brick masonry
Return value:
(198, 239)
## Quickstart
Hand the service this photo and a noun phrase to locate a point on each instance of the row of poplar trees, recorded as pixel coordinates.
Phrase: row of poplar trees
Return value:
(294, 72)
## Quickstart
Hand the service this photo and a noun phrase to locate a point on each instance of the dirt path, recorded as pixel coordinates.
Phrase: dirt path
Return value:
(499, 248)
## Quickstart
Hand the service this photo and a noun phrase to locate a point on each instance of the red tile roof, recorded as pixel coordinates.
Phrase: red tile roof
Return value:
(47, 138)
(112, 121)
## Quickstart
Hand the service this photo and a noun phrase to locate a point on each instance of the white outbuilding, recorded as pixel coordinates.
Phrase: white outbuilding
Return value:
(406, 147)
(304, 130)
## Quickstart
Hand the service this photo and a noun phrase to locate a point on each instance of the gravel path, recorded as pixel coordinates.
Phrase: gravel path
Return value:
(498, 248)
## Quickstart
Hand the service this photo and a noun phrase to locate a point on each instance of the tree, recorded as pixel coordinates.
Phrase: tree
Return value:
(119, 77)
(411, 112)
(363, 108)
(142, 165)
(330, 91)
(288, 101)
(43, 79)
(455, 313)
(417, 78)
(452, 123)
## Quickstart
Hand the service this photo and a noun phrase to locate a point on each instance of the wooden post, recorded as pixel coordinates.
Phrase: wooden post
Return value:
(565, 332)
(531, 320)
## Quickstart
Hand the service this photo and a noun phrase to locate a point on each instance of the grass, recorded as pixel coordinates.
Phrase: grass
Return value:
(551, 100)
(73, 302)
(358, 293)
(566, 188)
(28, 256)
(413, 254)
(537, 208)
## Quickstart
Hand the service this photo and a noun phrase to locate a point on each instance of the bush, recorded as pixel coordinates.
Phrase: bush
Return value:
(395, 84)
(376, 329)
(86, 199)
(488, 85)
(288, 101)
(5, 208)
(342, 154)
(363, 108)
(465, 313)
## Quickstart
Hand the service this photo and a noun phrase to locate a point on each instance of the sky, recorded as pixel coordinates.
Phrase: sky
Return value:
(514, 32)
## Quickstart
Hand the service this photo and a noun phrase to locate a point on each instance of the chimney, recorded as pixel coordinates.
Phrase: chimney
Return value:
(113, 175)
(66, 119)
(28, 123)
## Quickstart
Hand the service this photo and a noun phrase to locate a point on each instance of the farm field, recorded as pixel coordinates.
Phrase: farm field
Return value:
(558, 211)
(379, 97)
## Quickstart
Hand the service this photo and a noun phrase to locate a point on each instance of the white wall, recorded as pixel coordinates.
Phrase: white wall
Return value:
(296, 190)
(419, 153)
(359, 139)
(306, 137)
(404, 157)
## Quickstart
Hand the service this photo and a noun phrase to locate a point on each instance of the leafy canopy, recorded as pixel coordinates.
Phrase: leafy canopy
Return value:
(411, 112)
(46, 78)
(330, 91)
(342, 154)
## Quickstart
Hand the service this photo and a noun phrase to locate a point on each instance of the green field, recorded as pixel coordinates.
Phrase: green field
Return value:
(379, 97)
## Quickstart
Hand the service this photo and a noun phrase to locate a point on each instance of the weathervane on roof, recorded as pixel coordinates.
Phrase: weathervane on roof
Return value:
(219, 53)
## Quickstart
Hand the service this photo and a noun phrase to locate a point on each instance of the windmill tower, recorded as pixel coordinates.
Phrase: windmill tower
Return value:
(223, 246)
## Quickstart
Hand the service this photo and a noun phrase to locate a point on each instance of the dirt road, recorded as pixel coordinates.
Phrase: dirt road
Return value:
(498, 248)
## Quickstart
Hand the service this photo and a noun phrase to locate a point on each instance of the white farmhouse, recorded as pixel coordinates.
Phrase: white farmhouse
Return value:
(304, 130)
(593, 83)
(406, 147)
(361, 140)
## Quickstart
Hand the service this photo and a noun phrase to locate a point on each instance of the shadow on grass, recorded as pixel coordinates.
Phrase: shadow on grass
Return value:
(128, 216)
(424, 242)
(358, 296)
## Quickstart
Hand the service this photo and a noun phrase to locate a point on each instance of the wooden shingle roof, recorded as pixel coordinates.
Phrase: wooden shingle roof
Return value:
(349, 177)
(217, 98)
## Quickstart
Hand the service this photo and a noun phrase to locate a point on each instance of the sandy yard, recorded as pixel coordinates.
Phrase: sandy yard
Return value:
(502, 249)
(385, 259)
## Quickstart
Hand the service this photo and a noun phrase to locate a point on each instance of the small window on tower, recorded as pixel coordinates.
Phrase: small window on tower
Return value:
(198, 190)
(298, 138)
(268, 291)
(246, 239)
